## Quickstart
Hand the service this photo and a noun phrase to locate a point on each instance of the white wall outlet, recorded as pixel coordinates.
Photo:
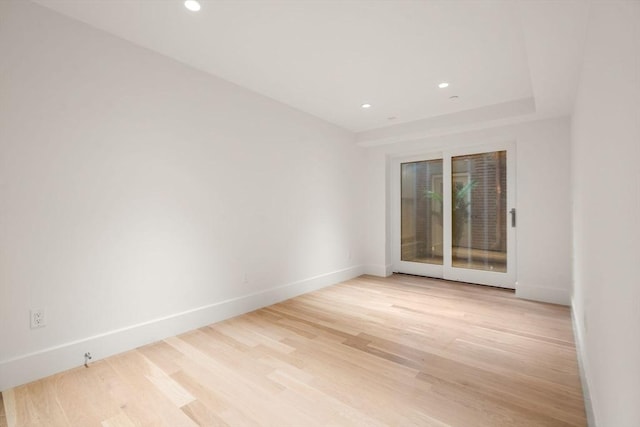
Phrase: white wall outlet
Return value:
(37, 318)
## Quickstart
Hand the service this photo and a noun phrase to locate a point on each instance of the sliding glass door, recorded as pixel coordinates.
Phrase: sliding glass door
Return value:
(421, 216)
(454, 215)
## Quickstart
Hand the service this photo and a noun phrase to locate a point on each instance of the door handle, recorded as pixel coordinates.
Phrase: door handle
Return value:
(513, 216)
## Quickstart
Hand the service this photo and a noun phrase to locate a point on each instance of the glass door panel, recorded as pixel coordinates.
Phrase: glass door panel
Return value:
(479, 211)
(450, 214)
(421, 212)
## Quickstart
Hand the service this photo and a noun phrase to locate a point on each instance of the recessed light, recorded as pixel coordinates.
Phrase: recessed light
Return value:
(391, 118)
(192, 5)
(453, 98)
(366, 105)
(443, 85)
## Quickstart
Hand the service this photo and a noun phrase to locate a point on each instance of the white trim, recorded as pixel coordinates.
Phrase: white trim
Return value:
(363, 140)
(379, 270)
(42, 363)
(583, 367)
(543, 294)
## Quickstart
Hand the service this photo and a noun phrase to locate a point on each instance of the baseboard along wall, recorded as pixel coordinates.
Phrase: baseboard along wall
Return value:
(583, 367)
(49, 361)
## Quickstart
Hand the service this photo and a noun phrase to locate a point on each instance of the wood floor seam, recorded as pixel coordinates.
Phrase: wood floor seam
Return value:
(396, 351)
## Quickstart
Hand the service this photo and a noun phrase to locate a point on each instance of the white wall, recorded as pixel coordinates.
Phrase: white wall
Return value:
(140, 197)
(543, 202)
(606, 213)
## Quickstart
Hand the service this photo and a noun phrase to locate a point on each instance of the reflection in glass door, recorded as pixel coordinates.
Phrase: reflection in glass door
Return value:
(421, 234)
(478, 211)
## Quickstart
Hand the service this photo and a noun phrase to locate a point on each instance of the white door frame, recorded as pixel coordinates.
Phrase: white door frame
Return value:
(446, 270)
(431, 270)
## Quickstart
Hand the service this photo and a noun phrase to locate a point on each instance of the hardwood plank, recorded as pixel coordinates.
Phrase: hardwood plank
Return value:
(202, 415)
(9, 401)
(372, 351)
(120, 420)
(142, 401)
(43, 397)
(3, 416)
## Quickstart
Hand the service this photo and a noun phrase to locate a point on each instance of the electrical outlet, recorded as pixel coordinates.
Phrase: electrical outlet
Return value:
(37, 318)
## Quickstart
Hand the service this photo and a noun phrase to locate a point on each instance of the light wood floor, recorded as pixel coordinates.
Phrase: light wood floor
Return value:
(3, 418)
(368, 352)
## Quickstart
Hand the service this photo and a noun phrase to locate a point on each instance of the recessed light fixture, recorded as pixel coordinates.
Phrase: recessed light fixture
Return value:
(192, 5)
(453, 98)
(391, 118)
(443, 85)
(366, 105)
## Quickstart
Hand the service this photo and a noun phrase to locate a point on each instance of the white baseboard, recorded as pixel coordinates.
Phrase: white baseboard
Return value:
(582, 366)
(379, 270)
(40, 364)
(542, 294)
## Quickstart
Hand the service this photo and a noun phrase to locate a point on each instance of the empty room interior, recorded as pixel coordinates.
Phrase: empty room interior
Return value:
(319, 213)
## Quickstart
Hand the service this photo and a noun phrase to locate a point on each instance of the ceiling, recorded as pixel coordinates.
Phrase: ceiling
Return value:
(328, 57)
